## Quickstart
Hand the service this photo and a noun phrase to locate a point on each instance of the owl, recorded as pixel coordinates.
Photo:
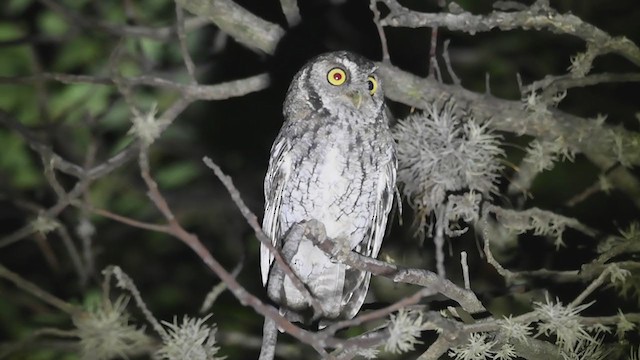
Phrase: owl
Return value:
(333, 161)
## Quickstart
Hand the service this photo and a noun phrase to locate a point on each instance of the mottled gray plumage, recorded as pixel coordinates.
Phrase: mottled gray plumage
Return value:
(333, 161)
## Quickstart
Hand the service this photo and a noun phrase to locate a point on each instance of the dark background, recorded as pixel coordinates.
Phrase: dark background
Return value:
(237, 134)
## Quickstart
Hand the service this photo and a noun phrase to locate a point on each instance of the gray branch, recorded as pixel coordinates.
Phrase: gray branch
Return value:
(466, 298)
(539, 16)
(603, 145)
(221, 91)
(243, 26)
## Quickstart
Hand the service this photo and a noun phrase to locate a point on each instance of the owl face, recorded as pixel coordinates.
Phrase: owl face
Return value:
(340, 83)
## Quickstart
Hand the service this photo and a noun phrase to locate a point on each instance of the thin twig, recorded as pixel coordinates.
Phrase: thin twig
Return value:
(38, 292)
(51, 212)
(184, 49)
(220, 91)
(380, 313)
(591, 288)
(447, 63)
(373, 5)
(73, 252)
(433, 61)
(465, 270)
(97, 171)
(126, 220)
(599, 185)
(262, 237)
(487, 83)
(125, 282)
(9, 349)
(438, 240)
(238, 290)
(85, 228)
(540, 16)
(166, 33)
(555, 84)
(484, 228)
(215, 292)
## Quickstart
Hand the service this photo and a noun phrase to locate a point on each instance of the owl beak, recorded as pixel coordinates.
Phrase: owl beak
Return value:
(356, 98)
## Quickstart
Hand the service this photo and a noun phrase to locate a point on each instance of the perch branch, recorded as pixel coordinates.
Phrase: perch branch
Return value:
(466, 298)
(234, 286)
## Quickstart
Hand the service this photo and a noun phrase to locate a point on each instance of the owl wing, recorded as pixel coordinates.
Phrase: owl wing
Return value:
(356, 281)
(386, 191)
(274, 181)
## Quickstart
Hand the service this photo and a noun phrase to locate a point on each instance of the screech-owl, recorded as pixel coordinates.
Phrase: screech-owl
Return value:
(333, 161)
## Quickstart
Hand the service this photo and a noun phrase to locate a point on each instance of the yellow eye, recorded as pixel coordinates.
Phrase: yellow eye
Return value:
(373, 85)
(336, 76)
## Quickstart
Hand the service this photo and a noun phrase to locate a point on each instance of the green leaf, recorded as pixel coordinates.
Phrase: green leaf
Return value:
(15, 61)
(14, 7)
(52, 24)
(16, 165)
(118, 118)
(78, 52)
(152, 49)
(177, 174)
(130, 201)
(18, 99)
(92, 299)
(10, 31)
(73, 101)
(129, 68)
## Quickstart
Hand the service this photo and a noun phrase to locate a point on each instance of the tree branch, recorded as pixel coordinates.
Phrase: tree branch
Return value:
(234, 20)
(603, 145)
(36, 291)
(252, 220)
(539, 16)
(220, 91)
(466, 298)
(166, 33)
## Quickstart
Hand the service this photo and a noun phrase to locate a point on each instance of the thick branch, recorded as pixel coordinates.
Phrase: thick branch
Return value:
(511, 116)
(603, 145)
(236, 21)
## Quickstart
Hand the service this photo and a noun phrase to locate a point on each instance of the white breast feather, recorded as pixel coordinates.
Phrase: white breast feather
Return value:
(334, 185)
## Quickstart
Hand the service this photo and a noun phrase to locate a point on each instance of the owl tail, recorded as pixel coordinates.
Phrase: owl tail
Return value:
(355, 292)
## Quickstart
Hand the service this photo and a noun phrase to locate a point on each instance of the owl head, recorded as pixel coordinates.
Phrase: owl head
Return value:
(337, 83)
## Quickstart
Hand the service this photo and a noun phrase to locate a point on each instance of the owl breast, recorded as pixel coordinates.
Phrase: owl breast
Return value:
(334, 179)
(332, 184)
